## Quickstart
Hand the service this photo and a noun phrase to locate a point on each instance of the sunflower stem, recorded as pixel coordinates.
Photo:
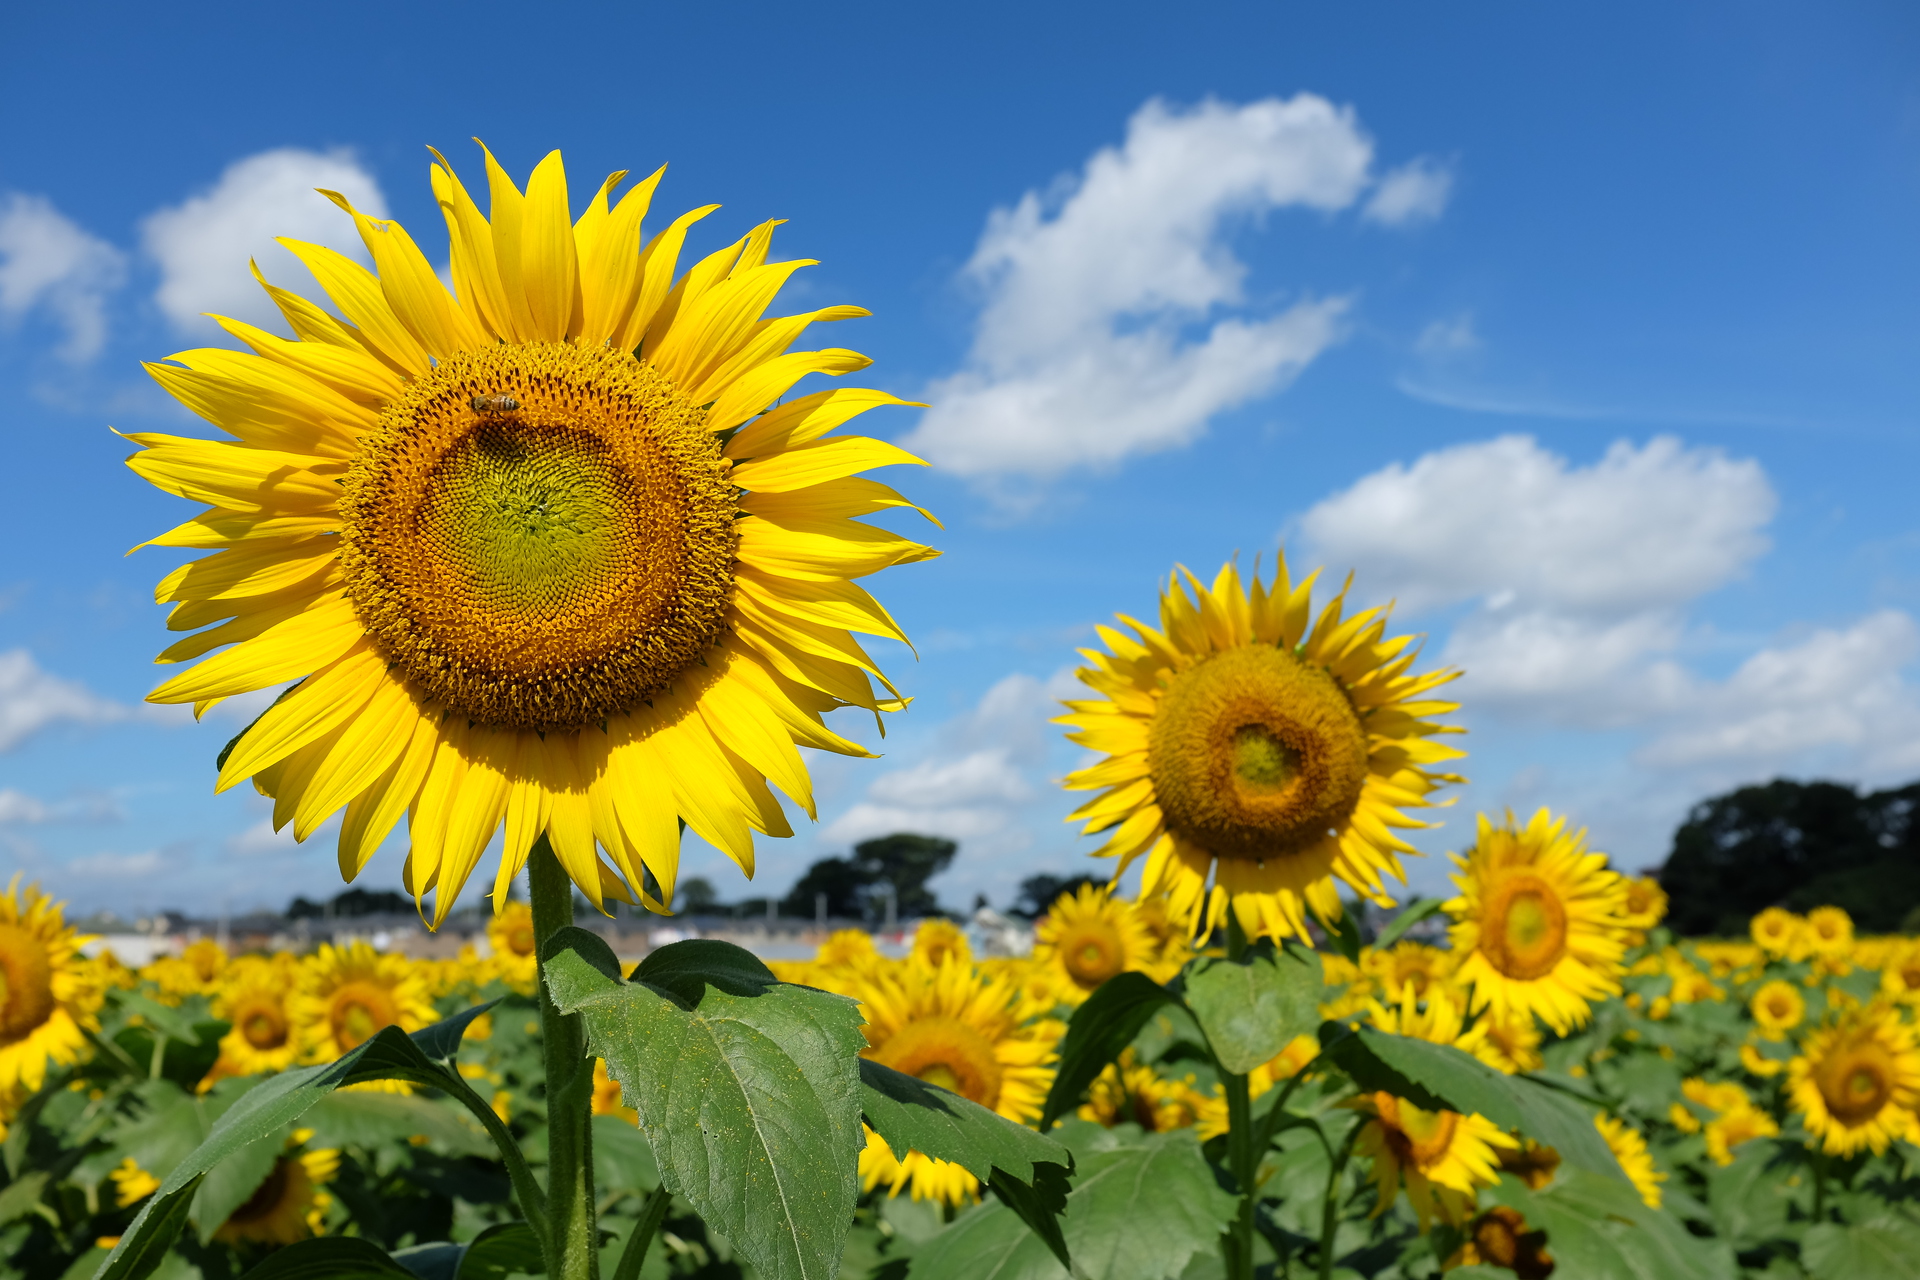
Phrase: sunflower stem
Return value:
(1330, 1210)
(634, 1255)
(1243, 1158)
(573, 1234)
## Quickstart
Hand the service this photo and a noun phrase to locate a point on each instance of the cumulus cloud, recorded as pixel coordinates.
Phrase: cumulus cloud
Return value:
(19, 807)
(202, 244)
(116, 866)
(1415, 192)
(48, 263)
(1512, 523)
(1089, 347)
(32, 699)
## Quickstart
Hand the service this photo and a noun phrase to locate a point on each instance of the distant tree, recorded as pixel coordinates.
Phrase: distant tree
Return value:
(844, 883)
(305, 909)
(1038, 892)
(1798, 845)
(697, 895)
(906, 861)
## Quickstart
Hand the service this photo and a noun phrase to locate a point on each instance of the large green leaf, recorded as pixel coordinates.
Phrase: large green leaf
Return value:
(263, 1112)
(1751, 1198)
(330, 1258)
(1884, 1247)
(1141, 1207)
(622, 1160)
(1439, 1076)
(1100, 1028)
(231, 1183)
(1252, 1007)
(1598, 1226)
(368, 1119)
(748, 1090)
(910, 1113)
(503, 1249)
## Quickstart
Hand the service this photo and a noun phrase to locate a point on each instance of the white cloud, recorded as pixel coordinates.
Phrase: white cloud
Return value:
(116, 866)
(202, 244)
(32, 699)
(19, 807)
(1415, 192)
(1448, 338)
(48, 262)
(1512, 523)
(262, 838)
(1084, 352)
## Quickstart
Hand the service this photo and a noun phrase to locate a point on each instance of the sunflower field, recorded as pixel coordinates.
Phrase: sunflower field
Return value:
(1719, 1108)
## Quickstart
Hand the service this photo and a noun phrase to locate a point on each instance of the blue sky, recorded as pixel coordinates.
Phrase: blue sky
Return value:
(1587, 332)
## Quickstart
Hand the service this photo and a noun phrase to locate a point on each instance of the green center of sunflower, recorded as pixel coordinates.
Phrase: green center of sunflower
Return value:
(544, 565)
(1524, 933)
(1256, 753)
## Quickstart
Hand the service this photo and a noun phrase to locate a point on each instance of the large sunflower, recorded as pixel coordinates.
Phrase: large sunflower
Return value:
(539, 551)
(1255, 747)
(46, 996)
(1539, 922)
(955, 1026)
(1441, 1157)
(1857, 1081)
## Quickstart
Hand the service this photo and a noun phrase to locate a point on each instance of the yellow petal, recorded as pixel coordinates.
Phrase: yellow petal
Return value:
(347, 370)
(252, 569)
(807, 418)
(550, 272)
(610, 275)
(356, 291)
(369, 745)
(476, 275)
(412, 289)
(736, 400)
(507, 213)
(375, 811)
(818, 462)
(831, 501)
(266, 405)
(822, 550)
(233, 476)
(296, 647)
(658, 262)
(320, 704)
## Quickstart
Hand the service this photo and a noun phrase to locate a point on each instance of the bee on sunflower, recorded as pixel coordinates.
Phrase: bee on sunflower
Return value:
(48, 999)
(1256, 754)
(540, 552)
(1538, 925)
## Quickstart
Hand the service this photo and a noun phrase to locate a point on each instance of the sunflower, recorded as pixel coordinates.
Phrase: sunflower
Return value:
(1510, 1044)
(254, 1002)
(1779, 933)
(938, 940)
(537, 550)
(197, 971)
(1284, 1065)
(1131, 1092)
(47, 1000)
(345, 994)
(1087, 937)
(510, 934)
(1646, 907)
(1857, 1080)
(1407, 963)
(1761, 1064)
(847, 951)
(607, 1097)
(1442, 1157)
(1830, 934)
(1738, 1125)
(956, 1027)
(1500, 1238)
(1537, 924)
(1900, 975)
(288, 1205)
(1778, 1008)
(1257, 748)
(1169, 948)
(131, 1183)
(1630, 1149)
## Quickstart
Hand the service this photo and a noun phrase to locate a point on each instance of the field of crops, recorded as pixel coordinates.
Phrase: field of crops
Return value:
(1756, 1095)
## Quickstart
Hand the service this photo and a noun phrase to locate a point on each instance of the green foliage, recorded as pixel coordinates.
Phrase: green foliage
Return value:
(746, 1088)
(1884, 1247)
(1598, 1226)
(1101, 1027)
(1251, 1008)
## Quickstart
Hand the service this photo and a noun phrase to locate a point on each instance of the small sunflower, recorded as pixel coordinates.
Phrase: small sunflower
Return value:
(847, 951)
(1778, 1007)
(1761, 1064)
(1830, 933)
(1089, 936)
(1630, 1149)
(1500, 1238)
(288, 1206)
(131, 1183)
(956, 1027)
(1740, 1124)
(1256, 754)
(198, 970)
(255, 1001)
(1131, 1092)
(1407, 963)
(1537, 924)
(1857, 1080)
(47, 997)
(607, 1097)
(1284, 1065)
(1779, 933)
(348, 993)
(1510, 1044)
(1646, 907)
(1443, 1158)
(1900, 975)
(938, 940)
(543, 551)
(510, 935)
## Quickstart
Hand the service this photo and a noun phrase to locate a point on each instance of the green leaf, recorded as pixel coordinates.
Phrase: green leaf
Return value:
(622, 1160)
(1439, 1076)
(747, 1090)
(1598, 1226)
(262, 1112)
(441, 1041)
(1252, 1007)
(1107, 1023)
(232, 1182)
(1343, 933)
(369, 1119)
(1039, 1203)
(1884, 1247)
(21, 1195)
(437, 1261)
(330, 1258)
(1751, 1197)
(504, 1249)
(1142, 1206)
(1416, 911)
(170, 1023)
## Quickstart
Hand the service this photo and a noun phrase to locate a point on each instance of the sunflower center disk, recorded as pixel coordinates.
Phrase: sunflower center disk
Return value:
(26, 983)
(1525, 933)
(548, 565)
(947, 1052)
(1091, 954)
(1858, 1084)
(1256, 754)
(359, 1009)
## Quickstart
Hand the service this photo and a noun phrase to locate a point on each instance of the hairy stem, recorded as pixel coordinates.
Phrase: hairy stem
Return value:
(1243, 1155)
(570, 1209)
